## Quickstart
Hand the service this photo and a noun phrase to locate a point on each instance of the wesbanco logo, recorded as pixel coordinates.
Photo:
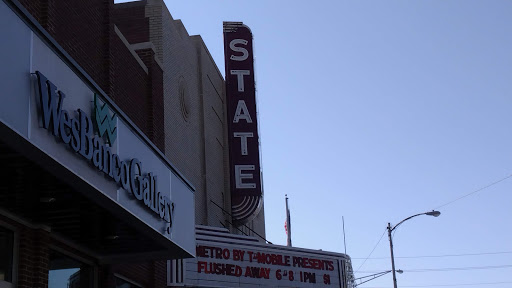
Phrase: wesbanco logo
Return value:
(106, 125)
(77, 132)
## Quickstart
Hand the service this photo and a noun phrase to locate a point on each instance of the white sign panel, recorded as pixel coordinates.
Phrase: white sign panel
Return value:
(225, 262)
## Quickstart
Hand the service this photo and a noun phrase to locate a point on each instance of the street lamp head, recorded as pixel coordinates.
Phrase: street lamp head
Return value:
(433, 213)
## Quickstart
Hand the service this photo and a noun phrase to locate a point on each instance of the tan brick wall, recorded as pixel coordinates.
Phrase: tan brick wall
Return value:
(213, 105)
(197, 145)
(183, 140)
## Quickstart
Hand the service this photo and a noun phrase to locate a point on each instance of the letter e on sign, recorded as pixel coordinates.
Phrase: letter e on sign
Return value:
(239, 176)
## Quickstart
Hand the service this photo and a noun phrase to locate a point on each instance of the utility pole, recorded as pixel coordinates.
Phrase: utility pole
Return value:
(392, 256)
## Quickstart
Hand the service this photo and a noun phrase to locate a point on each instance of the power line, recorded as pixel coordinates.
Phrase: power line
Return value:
(438, 256)
(372, 250)
(476, 191)
(450, 269)
(467, 284)
(460, 268)
(448, 285)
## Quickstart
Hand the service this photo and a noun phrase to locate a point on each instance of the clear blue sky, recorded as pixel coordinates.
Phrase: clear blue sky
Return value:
(378, 110)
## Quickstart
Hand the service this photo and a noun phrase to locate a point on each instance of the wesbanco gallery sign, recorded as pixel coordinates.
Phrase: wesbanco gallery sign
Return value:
(78, 133)
(47, 102)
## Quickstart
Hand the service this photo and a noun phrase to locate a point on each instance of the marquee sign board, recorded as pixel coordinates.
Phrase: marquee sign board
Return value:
(240, 261)
(244, 155)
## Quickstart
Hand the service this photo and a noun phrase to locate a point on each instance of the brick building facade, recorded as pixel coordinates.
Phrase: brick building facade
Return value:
(195, 108)
(53, 218)
(168, 91)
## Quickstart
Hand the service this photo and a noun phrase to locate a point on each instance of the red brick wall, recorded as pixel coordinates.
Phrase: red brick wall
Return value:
(37, 8)
(147, 274)
(155, 100)
(81, 28)
(33, 255)
(129, 84)
(33, 262)
(85, 29)
(131, 20)
(33, 258)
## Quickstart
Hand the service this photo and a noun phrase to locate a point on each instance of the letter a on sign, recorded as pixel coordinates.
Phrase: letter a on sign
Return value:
(242, 112)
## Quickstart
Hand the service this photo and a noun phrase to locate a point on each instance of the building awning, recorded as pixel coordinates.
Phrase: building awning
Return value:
(46, 196)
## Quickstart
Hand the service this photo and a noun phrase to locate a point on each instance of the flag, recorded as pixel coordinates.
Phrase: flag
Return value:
(288, 225)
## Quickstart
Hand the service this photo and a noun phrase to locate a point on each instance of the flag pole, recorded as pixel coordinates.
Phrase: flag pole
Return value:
(288, 224)
(344, 241)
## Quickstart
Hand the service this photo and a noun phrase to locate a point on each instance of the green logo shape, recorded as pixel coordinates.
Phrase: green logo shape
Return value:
(107, 126)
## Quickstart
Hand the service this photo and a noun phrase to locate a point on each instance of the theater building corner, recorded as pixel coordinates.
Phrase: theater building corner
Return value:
(128, 160)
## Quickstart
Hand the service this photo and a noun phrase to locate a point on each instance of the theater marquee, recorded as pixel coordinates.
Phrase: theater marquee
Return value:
(227, 260)
(244, 155)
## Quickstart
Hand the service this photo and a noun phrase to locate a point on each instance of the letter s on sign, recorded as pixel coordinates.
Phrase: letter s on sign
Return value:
(245, 53)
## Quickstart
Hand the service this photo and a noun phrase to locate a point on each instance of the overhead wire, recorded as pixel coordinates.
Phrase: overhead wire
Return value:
(476, 191)
(438, 256)
(372, 250)
(445, 285)
(459, 268)
(449, 269)
(446, 204)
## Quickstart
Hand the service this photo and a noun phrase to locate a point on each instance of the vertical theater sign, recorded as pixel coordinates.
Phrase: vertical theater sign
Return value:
(244, 155)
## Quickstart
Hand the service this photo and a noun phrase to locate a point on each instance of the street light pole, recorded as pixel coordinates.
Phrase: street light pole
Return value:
(392, 256)
(390, 229)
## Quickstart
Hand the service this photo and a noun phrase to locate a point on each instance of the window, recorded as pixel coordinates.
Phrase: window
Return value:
(66, 272)
(6, 257)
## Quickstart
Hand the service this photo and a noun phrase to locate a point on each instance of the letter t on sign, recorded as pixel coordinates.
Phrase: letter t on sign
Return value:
(243, 140)
(240, 78)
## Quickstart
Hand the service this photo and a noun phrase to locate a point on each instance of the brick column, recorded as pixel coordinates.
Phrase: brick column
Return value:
(34, 254)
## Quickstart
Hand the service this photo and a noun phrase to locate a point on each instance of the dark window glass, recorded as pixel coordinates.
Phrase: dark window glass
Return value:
(6, 247)
(120, 283)
(66, 272)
